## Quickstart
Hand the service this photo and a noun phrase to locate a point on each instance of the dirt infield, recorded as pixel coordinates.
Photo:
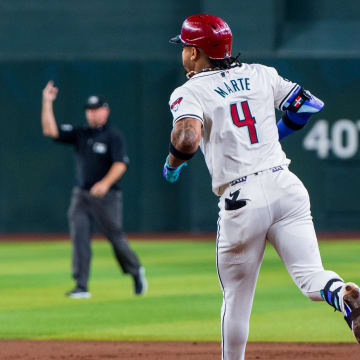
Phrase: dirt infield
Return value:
(111, 350)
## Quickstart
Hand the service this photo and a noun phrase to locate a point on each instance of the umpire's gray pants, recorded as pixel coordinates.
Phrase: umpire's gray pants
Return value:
(85, 211)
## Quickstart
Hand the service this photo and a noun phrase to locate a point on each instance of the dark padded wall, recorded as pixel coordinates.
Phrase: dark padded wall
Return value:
(120, 49)
(89, 28)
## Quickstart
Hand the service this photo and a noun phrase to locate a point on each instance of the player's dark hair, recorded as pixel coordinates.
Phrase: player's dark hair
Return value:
(224, 64)
(221, 64)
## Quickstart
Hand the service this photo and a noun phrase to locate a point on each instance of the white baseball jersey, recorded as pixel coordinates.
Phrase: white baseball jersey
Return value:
(237, 110)
(268, 204)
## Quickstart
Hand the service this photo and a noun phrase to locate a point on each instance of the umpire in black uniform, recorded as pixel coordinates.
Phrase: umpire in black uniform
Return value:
(101, 161)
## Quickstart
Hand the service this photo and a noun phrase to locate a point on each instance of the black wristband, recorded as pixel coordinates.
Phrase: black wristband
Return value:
(178, 154)
(290, 124)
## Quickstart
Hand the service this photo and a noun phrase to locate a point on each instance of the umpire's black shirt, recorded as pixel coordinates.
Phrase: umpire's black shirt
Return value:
(96, 151)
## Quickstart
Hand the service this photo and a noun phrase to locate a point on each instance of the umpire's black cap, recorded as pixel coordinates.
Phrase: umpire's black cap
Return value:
(95, 102)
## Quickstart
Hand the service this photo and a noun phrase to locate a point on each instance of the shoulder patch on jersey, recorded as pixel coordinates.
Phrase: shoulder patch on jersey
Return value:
(66, 127)
(99, 148)
(175, 105)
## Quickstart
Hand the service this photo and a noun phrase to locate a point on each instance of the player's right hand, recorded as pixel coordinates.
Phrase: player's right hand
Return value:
(50, 92)
(170, 173)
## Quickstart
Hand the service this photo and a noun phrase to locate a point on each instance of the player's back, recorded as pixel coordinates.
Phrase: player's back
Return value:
(237, 108)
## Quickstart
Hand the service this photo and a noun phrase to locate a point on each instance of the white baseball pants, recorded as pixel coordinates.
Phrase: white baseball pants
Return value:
(277, 210)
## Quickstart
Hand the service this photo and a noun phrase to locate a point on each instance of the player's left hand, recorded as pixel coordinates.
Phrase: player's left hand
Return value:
(170, 173)
(99, 189)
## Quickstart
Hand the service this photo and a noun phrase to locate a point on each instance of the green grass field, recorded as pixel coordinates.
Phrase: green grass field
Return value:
(183, 301)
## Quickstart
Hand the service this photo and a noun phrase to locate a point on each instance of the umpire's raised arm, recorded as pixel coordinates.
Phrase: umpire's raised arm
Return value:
(48, 122)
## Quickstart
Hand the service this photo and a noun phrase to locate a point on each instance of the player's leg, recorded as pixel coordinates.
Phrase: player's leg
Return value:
(107, 212)
(294, 238)
(80, 232)
(240, 250)
(238, 282)
(296, 243)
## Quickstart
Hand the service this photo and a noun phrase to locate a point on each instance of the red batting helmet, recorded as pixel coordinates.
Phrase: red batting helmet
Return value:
(209, 33)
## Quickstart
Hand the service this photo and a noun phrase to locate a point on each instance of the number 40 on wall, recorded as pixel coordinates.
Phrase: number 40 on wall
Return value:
(342, 138)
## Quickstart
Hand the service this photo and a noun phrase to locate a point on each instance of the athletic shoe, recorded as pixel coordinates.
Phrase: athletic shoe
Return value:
(78, 293)
(351, 299)
(140, 283)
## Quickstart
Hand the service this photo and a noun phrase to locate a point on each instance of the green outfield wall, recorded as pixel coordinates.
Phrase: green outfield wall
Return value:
(120, 49)
(37, 174)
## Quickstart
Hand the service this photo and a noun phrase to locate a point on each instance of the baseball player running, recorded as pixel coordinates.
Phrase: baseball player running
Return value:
(227, 108)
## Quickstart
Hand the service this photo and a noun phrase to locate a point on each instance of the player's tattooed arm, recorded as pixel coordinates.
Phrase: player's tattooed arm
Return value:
(185, 140)
(185, 137)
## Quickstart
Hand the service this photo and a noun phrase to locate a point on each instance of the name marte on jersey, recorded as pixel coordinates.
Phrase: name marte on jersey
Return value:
(232, 86)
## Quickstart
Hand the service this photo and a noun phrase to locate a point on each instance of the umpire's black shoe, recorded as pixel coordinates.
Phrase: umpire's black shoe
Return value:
(78, 293)
(140, 283)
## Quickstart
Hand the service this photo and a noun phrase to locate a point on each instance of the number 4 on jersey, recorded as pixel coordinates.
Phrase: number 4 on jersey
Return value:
(249, 120)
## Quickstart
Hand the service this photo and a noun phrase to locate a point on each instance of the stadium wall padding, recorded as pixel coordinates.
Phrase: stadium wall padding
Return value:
(37, 174)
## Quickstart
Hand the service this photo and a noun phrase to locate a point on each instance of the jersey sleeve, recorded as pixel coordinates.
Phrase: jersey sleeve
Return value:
(118, 149)
(184, 104)
(283, 88)
(68, 134)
